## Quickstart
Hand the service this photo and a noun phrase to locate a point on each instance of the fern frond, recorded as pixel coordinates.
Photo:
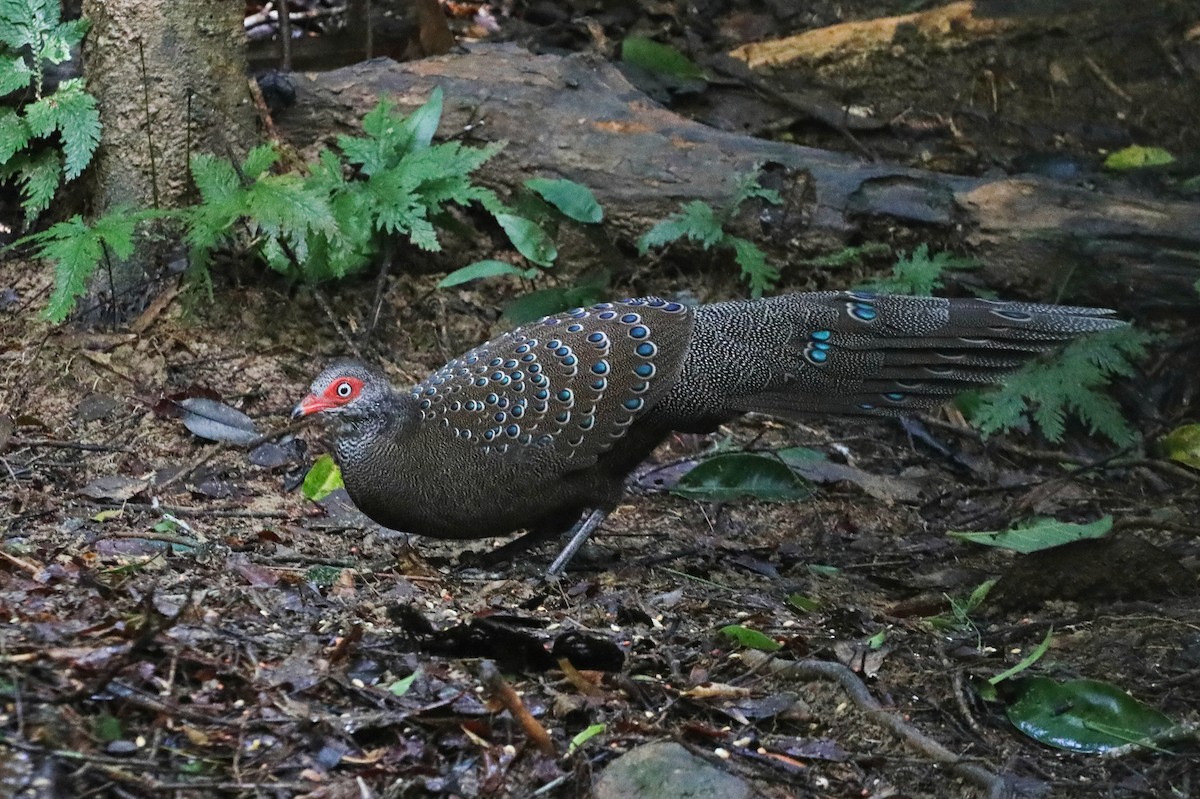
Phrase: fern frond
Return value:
(14, 74)
(78, 120)
(1048, 391)
(747, 188)
(920, 273)
(75, 249)
(259, 160)
(760, 275)
(38, 175)
(695, 221)
(14, 134)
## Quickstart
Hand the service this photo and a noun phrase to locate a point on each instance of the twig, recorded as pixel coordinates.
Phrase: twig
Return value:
(996, 786)
(24, 565)
(16, 442)
(504, 693)
(71, 754)
(1108, 82)
(1187, 731)
(324, 303)
(380, 286)
(150, 535)
(176, 510)
(285, 36)
(264, 111)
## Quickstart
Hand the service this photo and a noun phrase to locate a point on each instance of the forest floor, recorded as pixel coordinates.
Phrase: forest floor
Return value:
(179, 619)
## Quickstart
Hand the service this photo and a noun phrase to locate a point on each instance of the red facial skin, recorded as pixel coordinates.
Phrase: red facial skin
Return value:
(338, 393)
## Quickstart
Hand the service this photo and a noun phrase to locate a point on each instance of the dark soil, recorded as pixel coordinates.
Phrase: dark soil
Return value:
(197, 627)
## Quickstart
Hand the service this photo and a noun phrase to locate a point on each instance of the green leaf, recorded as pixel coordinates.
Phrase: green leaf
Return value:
(14, 134)
(1038, 534)
(76, 248)
(107, 728)
(583, 736)
(390, 137)
(574, 200)
(75, 254)
(481, 269)
(662, 58)
(803, 603)
(259, 160)
(742, 474)
(215, 179)
(403, 685)
(695, 221)
(757, 273)
(322, 576)
(920, 273)
(322, 479)
(39, 176)
(41, 116)
(1047, 389)
(14, 74)
(1027, 661)
(748, 187)
(1136, 157)
(547, 301)
(1183, 444)
(78, 120)
(422, 124)
(751, 639)
(529, 239)
(1082, 715)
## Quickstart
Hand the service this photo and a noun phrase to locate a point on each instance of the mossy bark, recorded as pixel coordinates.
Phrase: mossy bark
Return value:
(170, 78)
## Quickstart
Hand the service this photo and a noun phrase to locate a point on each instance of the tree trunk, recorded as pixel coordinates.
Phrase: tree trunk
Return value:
(170, 80)
(578, 118)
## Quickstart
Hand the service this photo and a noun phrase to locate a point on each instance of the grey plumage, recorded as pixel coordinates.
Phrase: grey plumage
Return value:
(545, 422)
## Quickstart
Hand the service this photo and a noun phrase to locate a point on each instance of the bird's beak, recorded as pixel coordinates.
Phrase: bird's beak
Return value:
(308, 406)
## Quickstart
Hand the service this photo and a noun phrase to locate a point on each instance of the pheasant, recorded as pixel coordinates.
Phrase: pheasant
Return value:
(538, 428)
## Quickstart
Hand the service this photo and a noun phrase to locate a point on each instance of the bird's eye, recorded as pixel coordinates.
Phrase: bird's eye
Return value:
(344, 390)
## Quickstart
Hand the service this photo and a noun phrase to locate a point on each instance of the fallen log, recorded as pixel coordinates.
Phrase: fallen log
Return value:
(577, 117)
(951, 25)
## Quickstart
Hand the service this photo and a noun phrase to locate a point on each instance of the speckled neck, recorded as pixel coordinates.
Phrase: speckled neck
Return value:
(357, 436)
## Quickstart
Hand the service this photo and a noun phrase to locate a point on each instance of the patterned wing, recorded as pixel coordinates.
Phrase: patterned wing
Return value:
(565, 387)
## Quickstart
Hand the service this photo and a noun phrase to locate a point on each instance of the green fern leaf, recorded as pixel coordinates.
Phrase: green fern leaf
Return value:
(215, 179)
(72, 33)
(390, 136)
(920, 273)
(39, 176)
(486, 198)
(422, 233)
(75, 253)
(14, 134)
(23, 23)
(748, 187)
(14, 74)
(695, 221)
(41, 117)
(760, 275)
(79, 122)
(259, 160)
(75, 249)
(1070, 383)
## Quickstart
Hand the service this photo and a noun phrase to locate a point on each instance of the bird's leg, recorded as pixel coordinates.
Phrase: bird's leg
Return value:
(580, 533)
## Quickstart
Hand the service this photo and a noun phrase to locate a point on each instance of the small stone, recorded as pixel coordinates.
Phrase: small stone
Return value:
(666, 770)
